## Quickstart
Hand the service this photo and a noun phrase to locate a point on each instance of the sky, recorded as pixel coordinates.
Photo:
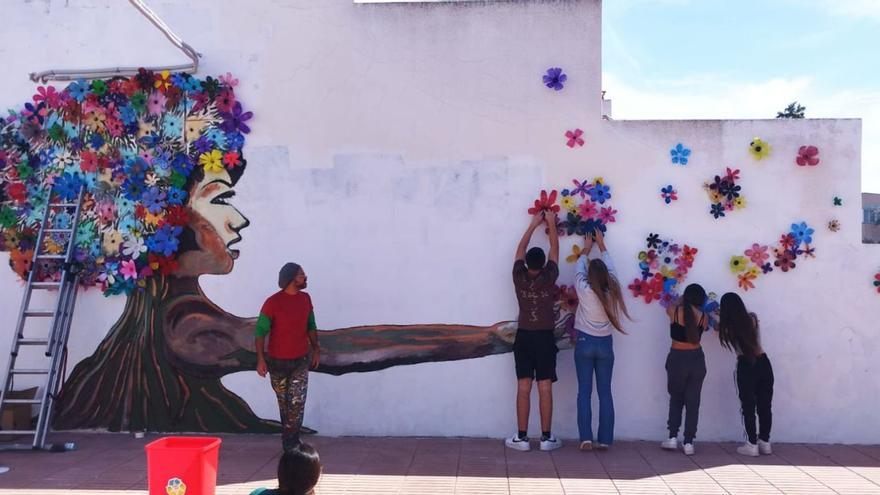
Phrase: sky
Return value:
(722, 59)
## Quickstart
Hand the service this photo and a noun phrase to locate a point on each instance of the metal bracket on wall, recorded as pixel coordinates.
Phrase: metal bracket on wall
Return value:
(71, 75)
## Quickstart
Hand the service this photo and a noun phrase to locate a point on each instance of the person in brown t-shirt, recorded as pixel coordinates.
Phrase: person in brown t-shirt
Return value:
(534, 350)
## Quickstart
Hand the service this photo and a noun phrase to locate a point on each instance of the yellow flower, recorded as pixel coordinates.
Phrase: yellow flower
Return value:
(53, 247)
(599, 180)
(715, 196)
(194, 127)
(112, 241)
(667, 272)
(212, 161)
(568, 203)
(151, 219)
(576, 252)
(739, 203)
(738, 263)
(759, 148)
(145, 128)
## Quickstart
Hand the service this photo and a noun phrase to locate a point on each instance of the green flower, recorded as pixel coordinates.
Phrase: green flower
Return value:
(7, 217)
(56, 133)
(138, 101)
(177, 180)
(24, 171)
(99, 87)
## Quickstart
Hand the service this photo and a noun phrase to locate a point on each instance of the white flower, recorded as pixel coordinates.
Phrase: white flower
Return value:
(133, 245)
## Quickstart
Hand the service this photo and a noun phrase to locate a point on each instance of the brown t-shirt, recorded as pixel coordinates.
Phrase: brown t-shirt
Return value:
(536, 296)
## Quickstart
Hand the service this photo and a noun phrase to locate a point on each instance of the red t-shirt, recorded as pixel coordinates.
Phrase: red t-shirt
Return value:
(289, 313)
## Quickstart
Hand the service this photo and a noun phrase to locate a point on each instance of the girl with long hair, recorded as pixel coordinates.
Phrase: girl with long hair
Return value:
(685, 366)
(600, 306)
(738, 331)
(298, 471)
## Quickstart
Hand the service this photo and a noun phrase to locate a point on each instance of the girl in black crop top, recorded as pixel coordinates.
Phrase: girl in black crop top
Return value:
(685, 366)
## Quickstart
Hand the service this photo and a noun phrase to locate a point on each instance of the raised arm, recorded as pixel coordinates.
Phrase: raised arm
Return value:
(550, 218)
(606, 257)
(527, 236)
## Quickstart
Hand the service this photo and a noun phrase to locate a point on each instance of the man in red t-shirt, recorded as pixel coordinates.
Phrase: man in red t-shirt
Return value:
(288, 318)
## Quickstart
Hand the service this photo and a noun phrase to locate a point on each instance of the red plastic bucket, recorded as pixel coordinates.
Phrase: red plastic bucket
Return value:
(183, 465)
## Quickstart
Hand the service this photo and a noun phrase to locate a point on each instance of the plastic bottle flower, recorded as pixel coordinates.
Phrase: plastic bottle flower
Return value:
(680, 154)
(877, 282)
(838, 201)
(834, 225)
(785, 260)
(746, 279)
(757, 254)
(759, 148)
(600, 192)
(738, 264)
(576, 252)
(807, 155)
(802, 233)
(568, 203)
(574, 138)
(555, 78)
(546, 202)
(669, 194)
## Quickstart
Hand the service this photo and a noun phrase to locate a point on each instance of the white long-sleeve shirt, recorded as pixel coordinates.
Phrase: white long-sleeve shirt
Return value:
(590, 316)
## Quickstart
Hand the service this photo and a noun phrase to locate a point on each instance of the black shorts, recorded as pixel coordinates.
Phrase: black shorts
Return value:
(534, 352)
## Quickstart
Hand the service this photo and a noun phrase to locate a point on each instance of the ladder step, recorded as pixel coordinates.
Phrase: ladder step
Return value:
(51, 256)
(17, 432)
(45, 285)
(57, 231)
(39, 312)
(62, 205)
(22, 401)
(24, 371)
(33, 341)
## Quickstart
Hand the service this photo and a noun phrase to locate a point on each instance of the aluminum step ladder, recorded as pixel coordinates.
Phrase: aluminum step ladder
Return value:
(59, 327)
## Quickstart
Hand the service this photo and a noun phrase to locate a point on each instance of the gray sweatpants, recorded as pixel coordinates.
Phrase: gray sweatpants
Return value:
(685, 371)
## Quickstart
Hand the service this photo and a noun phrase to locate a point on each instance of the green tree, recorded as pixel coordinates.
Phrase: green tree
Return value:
(792, 111)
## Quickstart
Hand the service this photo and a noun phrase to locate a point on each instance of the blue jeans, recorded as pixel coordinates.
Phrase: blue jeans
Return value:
(594, 354)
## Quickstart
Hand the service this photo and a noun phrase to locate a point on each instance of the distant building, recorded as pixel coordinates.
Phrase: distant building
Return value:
(871, 218)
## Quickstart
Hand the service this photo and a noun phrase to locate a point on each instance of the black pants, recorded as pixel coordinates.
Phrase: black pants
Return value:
(685, 371)
(754, 380)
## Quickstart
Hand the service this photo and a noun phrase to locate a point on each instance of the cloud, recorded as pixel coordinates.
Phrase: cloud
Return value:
(716, 97)
(851, 8)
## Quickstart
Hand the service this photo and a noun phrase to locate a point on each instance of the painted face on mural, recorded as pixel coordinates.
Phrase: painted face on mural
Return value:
(216, 225)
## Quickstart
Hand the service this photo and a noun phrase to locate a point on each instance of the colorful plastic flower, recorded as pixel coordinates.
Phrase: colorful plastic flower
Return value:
(546, 202)
(653, 241)
(212, 161)
(738, 264)
(757, 254)
(759, 148)
(606, 214)
(834, 225)
(568, 203)
(587, 210)
(581, 188)
(680, 154)
(717, 210)
(555, 78)
(236, 120)
(739, 203)
(838, 201)
(807, 155)
(787, 241)
(746, 279)
(231, 159)
(802, 233)
(785, 260)
(766, 268)
(600, 192)
(67, 186)
(576, 252)
(574, 138)
(877, 282)
(669, 194)
(111, 242)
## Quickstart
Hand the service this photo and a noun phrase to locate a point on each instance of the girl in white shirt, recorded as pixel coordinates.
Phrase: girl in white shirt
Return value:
(600, 304)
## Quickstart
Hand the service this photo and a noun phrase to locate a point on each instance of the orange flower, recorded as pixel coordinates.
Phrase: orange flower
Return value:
(21, 261)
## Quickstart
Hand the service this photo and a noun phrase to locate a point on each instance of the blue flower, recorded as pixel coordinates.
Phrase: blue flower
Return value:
(176, 196)
(67, 186)
(182, 164)
(680, 154)
(172, 125)
(203, 144)
(193, 84)
(669, 284)
(600, 193)
(154, 200)
(96, 141)
(717, 210)
(134, 189)
(164, 241)
(78, 90)
(217, 136)
(669, 194)
(802, 233)
(127, 114)
(235, 140)
(554, 78)
(179, 81)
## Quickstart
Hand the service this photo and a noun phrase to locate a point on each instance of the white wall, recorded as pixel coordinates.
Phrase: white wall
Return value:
(394, 152)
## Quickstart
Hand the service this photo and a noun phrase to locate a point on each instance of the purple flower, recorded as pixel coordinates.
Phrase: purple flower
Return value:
(236, 121)
(203, 145)
(554, 78)
(154, 200)
(67, 186)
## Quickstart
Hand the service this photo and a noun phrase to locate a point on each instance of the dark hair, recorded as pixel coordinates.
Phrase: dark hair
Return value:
(693, 298)
(607, 289)
(298, 470)
(737, 328)
(535, 258)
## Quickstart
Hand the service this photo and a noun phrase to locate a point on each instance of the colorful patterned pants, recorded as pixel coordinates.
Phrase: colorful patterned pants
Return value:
(290, 381)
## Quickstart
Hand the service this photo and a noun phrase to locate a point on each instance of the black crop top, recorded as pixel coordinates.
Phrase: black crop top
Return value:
(678, 332)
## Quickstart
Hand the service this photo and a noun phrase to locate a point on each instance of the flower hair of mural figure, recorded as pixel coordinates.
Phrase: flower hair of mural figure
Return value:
(160, 155)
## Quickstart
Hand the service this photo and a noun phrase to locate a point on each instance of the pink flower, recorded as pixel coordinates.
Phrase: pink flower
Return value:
(129, 269)
(732, 175)
(588, 210)
(229, 80)
(808, 155)
(156, 103)
(758, 254)
(606, 215)
(47, 94)
(574, 138)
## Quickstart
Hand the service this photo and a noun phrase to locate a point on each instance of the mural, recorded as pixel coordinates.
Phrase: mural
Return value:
(158, 156)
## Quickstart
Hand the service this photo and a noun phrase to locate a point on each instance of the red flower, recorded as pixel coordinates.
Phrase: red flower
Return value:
(574, 138)
(545, 203)
(877, 282)
(808, 155)
(231, 159)
(653, 288)
(166, 265)
(784, 260)
(732, 175)
(688, 252)
(177, 216)
(88, 161)
(225, 100)
(788, 241)
(17, 191)
(745, 280)
(637, 287)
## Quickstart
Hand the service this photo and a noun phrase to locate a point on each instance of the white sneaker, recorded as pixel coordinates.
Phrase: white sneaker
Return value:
(670, 444)
(586, 445)
(517, 443)
(764, 447)
(749, 449)
(602, 447)
(688, 449)
(551, 443)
